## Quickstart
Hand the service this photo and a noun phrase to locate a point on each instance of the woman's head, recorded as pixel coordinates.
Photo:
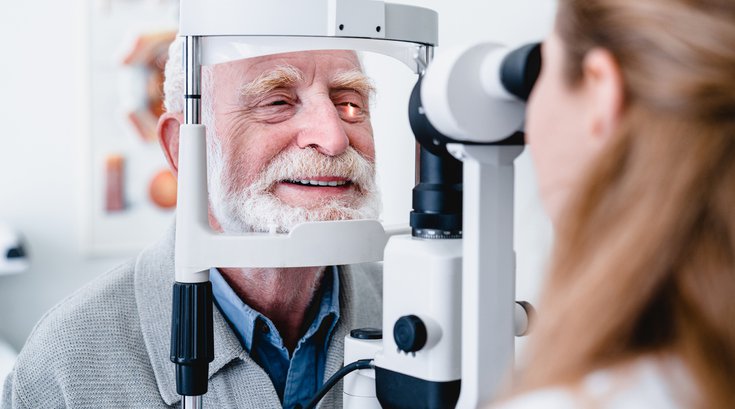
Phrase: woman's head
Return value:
(569, 123)
(659, 58)
(632, 128)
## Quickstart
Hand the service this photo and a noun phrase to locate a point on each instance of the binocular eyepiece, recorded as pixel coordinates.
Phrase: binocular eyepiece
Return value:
(455, 99)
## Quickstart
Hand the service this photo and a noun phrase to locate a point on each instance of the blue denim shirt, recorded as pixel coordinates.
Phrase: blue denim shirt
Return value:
(297, 378)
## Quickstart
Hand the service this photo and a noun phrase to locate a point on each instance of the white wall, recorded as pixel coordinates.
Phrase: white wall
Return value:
(41, 158)
(42, 155)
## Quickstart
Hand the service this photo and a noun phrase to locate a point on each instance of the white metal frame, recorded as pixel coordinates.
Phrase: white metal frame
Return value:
(350, 22)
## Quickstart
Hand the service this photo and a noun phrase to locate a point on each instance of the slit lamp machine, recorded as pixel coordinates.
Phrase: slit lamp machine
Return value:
(449, 310)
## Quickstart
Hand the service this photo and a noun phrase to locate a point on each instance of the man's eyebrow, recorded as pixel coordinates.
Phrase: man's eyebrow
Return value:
(354, 80)
(282, 76)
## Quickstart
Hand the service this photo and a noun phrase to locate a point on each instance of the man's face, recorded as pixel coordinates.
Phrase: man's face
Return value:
(295, 141)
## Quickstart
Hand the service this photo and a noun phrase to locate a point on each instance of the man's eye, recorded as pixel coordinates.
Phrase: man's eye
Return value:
(272, 109)
(275, 101)
(350, 104)
(350, 111)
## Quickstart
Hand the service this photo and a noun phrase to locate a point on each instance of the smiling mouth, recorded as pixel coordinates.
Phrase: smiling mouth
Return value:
(318, 183)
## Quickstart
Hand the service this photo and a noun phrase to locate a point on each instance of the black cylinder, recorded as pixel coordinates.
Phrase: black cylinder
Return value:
(192, 336)
(437, 198)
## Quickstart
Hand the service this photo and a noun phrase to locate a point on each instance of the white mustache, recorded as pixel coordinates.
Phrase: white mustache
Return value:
(299, 164)
(255, 208)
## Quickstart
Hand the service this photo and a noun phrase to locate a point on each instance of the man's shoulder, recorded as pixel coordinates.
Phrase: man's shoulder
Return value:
(109, 303)
(366, 280)
(85, 323)
(367, 273)
(109, 297)
(85, 339)
(364, 297)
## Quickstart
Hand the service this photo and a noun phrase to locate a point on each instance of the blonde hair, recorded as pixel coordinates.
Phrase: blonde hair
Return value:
(644, 260)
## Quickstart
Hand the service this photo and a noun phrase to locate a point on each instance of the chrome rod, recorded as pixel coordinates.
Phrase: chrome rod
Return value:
(424, 55)
(429, 54)
(193, 90)
(192, 402)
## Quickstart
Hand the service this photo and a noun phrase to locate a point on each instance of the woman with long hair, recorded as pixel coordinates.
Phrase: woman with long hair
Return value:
(632, 130)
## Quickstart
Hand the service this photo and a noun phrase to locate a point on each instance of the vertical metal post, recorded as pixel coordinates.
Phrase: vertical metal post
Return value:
(191, 328)
(193, 70)
(428, 54)
(192, 402)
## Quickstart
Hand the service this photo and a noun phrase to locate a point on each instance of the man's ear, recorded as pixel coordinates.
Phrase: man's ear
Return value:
(605, 94)
(168, 136)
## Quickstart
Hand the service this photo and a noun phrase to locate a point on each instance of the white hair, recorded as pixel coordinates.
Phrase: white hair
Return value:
(174, 85)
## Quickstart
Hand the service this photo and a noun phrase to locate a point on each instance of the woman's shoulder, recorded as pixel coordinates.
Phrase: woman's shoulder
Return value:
(547, 398)
(649, 382)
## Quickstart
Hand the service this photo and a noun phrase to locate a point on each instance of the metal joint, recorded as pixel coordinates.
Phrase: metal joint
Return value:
(424, 55)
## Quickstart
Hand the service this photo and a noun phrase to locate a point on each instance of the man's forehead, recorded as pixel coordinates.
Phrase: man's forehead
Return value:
(326, 62)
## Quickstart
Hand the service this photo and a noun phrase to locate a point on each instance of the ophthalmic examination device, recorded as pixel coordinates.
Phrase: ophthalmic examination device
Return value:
(449, 309)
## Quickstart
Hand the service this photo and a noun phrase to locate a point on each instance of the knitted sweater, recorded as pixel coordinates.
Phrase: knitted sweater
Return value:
(107, 345)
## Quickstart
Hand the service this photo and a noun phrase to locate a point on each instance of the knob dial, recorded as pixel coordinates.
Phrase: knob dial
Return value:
(409, 332)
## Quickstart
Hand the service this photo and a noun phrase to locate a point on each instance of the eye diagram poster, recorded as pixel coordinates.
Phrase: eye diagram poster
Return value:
(131, 194)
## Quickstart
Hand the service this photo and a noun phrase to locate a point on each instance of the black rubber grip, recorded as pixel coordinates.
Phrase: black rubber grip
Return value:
(520, 70)
(192, 336)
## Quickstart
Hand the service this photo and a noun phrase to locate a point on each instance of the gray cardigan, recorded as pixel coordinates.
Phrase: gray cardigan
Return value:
(107, 345)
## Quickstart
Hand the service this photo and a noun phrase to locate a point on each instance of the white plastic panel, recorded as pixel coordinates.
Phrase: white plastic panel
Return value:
(423, 278)
(357, 18)
(243, 17)
(461, 103)
(220, 49)
(410, 23)
(359, 386)
(312, 18)
(488, 271)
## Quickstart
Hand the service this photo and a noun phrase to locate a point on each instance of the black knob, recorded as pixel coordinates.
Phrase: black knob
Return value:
(409, 333)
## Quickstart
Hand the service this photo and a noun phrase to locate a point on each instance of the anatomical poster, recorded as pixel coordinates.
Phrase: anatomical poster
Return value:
(131, 194)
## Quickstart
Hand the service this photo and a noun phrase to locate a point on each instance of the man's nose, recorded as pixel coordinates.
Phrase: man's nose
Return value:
(322, 128)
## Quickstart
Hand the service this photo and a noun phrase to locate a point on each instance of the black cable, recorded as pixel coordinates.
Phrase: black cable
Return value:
(361, 364)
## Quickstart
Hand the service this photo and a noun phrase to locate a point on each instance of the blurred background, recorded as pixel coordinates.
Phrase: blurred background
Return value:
(83, 185)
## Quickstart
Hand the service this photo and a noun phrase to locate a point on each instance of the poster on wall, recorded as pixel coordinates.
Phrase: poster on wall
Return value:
(131, 193)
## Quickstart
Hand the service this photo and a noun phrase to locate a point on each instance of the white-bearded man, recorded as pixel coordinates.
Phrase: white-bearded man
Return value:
(289, 140)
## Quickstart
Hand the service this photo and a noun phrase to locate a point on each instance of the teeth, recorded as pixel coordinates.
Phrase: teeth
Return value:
(307, 182)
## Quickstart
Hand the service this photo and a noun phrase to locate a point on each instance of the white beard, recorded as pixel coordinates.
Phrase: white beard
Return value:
(254, 208)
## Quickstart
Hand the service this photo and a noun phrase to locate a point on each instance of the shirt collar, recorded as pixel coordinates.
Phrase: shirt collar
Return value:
(243, 318)
(237, 313)
(328, 305)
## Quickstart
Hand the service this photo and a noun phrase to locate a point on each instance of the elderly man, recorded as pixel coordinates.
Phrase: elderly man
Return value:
(289, 140)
